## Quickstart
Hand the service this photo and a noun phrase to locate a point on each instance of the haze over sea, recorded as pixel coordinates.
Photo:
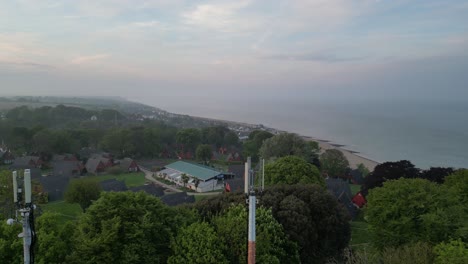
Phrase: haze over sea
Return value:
(426, 133)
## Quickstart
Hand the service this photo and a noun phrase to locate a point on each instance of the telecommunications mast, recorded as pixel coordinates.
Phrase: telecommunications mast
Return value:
(24, 214)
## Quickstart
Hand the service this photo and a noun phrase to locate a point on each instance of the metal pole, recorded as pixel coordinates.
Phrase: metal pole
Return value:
(26, 235)
(251, 249)
(252, 205)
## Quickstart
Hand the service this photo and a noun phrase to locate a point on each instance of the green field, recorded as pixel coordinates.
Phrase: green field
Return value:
(130, 179)
(66, 210)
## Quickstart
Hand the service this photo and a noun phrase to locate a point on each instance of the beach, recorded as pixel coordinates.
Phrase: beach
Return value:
(353, 157)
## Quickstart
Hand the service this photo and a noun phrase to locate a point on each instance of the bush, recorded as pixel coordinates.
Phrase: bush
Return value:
(453, 252)
(418, 253)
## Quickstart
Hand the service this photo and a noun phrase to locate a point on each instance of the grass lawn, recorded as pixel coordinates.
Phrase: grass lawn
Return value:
(66, 210)
(201, 197)
(360, 236)
(131, 179)
(355, 188)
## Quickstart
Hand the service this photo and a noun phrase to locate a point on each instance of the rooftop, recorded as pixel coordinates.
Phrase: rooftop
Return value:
(196, 170)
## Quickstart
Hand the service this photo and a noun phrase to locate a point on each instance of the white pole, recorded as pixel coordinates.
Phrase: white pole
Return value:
(246, 178)
(252, 205)
(15, 187)
(251, 244)
(26, 236)
(27, 186)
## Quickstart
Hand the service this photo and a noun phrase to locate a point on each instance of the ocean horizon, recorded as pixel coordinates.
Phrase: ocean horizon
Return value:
(429, 134)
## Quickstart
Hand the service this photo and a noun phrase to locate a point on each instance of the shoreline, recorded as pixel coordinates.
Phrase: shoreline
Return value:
(354, 157)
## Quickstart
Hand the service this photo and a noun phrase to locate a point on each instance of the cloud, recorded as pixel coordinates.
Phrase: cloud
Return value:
(314, 57)
(26, 65)
(151, 23)
(89, 58)
(222, 17)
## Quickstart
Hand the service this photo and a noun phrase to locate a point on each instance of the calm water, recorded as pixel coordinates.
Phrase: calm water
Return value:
(428, 134)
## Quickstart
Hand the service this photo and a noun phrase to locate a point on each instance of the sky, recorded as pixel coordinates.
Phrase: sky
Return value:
(176, 50)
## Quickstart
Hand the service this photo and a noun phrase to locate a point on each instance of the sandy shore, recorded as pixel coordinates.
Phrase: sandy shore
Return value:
(353, 157)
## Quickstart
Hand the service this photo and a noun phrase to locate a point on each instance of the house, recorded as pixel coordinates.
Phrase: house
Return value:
(234, 157)
(128, 165)
(150, 189)
(359, 200)
(67, 168)
(177, 198)
(64, 157)
(6, 157)
(201, 178)
(26, 162)
(95, 166)
(341, 190)
(113, 185)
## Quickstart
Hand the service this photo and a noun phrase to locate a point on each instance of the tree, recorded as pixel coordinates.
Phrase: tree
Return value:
(334, 163)
(363, 170)
(188, 138)
(124, 227)
(83, 192)
(6, 194)
(185, 178)
(197, 243)
(282, 145)
(11, 247)
(411, 210)
(389, 171)
(311, 217)
(54, 240)
(436, 174)
(292, 170)
(272, 246)
(452, 252)
(204, 153)
(231, 139)
(255, 141)
(458, 184)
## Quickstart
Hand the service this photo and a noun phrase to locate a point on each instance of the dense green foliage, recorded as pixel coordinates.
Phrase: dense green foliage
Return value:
(334, 163)
(410, 210)
(452, 252)
(311, 217)
(6, 194)
(11, 247)
(197, 243)
(292, 170)
(253, 144)
(123, 228)
(288, 144)
(82, 192)
(188, 138)
(204, 152)
(54, 239)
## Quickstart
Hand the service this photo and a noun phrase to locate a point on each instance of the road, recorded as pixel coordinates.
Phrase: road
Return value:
(149, 176)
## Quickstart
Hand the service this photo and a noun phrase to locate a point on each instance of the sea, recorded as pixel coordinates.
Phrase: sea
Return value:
(429, 134)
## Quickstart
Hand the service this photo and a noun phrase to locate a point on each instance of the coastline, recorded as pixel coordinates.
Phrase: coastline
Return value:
(353, 156)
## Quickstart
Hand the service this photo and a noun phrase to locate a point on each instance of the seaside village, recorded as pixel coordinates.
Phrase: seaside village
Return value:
(189, 183)
(176, 179)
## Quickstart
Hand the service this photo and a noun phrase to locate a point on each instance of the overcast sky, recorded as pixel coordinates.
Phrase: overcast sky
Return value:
(181, 50)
